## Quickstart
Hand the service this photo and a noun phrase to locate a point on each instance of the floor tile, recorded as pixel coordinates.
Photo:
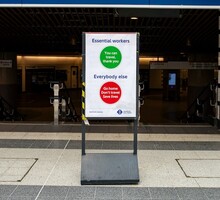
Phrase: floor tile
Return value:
(126, 145)
(3, 198)
(163, 145)
(146, 145)
(74, 144)
(57, 144)
(135, 193)
(163, 199)
(163, 193)
(204, 146)
(200, 168)
(93, 144)
(27, 191)
(8, 178)
(108, 193)
(54, 191)
(181, 146)
(16, 171)
(208, 182)
(17, 168)
(22, 198)
(7, 190)
(81, 192)
(191, 193)
(212, 193)
(96, 136)
(107, 199)
(111, 137)
(41, 144)
(52, 198)
(110, 145)
(3, 170)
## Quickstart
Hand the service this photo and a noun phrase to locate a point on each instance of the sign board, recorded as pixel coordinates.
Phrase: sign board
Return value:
(111, 75)
(215, 4)
(5, 63)
(183, 65)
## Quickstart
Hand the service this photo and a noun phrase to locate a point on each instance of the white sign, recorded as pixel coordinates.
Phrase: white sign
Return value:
(5, 63)
(110, 75)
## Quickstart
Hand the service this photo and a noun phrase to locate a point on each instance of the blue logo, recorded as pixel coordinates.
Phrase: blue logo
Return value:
(119, 111)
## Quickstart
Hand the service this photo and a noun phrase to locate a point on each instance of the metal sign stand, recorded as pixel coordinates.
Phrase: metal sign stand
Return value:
(108, 168)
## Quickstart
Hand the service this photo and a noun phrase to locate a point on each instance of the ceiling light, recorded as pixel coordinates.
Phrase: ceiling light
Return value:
(134, 18)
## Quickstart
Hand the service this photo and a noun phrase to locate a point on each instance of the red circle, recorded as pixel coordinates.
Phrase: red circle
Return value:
(110, 92)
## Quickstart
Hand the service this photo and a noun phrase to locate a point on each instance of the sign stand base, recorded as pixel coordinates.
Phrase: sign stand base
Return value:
(109, 168)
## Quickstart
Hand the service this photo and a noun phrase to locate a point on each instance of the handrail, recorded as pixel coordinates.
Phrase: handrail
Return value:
(197, 98)
(8, 111)
(70, 104)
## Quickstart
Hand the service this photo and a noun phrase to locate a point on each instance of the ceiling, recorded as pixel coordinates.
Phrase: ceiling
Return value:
(41, 30)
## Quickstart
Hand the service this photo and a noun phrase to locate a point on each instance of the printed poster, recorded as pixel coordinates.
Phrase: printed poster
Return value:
(110, 75)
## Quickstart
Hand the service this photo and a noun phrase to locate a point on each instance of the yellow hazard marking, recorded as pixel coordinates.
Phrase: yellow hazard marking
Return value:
(83, 117)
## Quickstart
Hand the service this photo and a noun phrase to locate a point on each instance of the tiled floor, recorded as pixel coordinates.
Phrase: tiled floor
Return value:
(100, 193)
(175, 162)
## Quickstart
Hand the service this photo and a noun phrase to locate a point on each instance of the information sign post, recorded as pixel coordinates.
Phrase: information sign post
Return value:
(110, 91)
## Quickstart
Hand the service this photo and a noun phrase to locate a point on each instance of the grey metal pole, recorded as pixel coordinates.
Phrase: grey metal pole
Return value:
(83, 97)
(137, 97)
(83, 138)
(135, 135)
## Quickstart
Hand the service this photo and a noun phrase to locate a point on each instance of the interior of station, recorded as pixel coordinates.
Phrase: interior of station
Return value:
(178, 64)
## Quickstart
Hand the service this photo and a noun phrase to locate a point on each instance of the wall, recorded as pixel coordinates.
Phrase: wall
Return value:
(64, 63)
(59, 62)
(156, 79)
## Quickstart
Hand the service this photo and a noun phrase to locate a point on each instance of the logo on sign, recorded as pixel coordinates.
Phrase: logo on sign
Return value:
(119, 111)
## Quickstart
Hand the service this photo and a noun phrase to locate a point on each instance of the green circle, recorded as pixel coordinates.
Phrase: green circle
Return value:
(110, 57)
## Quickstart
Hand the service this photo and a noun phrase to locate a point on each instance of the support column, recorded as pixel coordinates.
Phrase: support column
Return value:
(8, 78)
(23, 78)
(218, 89)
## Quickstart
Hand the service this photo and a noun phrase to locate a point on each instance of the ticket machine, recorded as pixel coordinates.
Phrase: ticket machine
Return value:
(171, 85)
